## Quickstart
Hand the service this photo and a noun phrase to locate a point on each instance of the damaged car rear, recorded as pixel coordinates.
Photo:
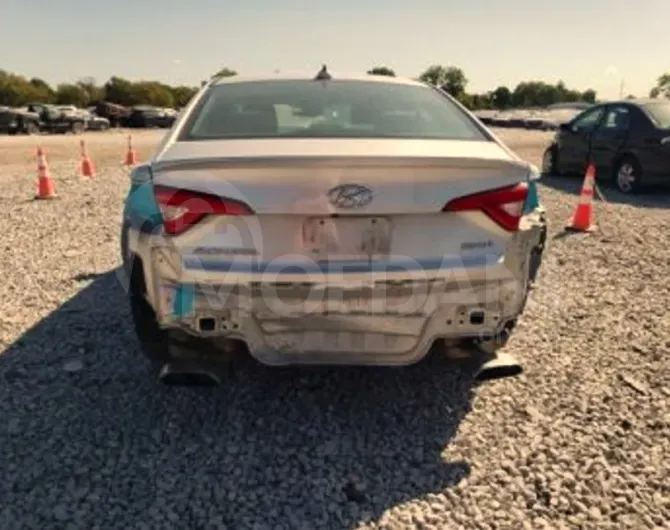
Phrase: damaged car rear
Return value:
(329, 220)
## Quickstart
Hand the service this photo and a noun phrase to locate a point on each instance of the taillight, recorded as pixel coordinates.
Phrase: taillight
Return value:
(182, 209)
(503, 205)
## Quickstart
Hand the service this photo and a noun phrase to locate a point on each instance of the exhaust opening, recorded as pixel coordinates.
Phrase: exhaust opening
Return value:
(477, 317)
(207, 324)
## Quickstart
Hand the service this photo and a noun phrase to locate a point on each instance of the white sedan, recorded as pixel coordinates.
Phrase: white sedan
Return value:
(325, 220)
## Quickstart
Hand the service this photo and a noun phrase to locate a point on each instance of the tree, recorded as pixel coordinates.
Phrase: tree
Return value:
(46, 93)
(382, 70)
(16, 90)
(182, 95)
(152, 93)
(95, 93)
(225, 72)
(120, 91)
(662, 88)
(479, 101)
(589, 96)
(68, 94)
(501, 98)
(455, 82)
(435, 75)
(449, 78)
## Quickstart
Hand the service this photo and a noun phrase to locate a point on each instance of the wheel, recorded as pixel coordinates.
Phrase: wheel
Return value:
(77, 127)
(627, 175)
(31, 128)
(549, 159)
(154, 341)
(125, 254)
(176, 357)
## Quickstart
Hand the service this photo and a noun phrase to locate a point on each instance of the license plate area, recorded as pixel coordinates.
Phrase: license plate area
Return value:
(341, 238)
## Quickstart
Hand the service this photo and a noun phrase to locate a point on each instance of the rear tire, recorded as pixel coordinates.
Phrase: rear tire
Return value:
(549, 161)
(161, 346)
(77, 127)
(154, 341)
(627, 175)
(31, 128)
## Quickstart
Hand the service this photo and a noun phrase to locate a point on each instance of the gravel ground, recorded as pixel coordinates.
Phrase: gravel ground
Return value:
(89, 440)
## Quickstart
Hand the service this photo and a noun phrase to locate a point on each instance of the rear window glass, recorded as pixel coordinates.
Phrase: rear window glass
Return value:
(660, 113)
(332, 109)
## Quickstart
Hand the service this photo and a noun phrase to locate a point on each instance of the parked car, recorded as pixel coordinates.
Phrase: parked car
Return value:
(144, 116)
(95, 122)
(338, 220)
(58, 120)
(628, 142)
(116, 114)
(18, 121)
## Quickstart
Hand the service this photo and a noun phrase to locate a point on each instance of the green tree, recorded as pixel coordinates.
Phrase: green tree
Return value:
(95, 93)
(449, 78)
(382, 70)
(481, 101)
(68, 94)
(152, 93)
(182, 95)
(16, 90)
(120, 91)
(46, 93)
(435, 75)
(501, 98)
(589, 96)
(455, 81)
(662, 88)
(538, 94)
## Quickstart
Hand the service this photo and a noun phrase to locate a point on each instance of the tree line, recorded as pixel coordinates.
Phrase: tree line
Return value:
(17, 90)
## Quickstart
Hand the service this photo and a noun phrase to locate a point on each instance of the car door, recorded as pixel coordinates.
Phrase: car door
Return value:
(609, 138)
(574, 141)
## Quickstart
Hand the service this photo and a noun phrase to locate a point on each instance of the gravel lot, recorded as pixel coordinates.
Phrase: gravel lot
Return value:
(89, 440)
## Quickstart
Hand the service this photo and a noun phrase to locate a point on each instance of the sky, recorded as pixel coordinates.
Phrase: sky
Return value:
(586, 43)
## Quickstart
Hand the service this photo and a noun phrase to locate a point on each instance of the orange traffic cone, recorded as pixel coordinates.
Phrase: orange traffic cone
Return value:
(131, 155)
(582, 220)
(87, 169)
(45, 184)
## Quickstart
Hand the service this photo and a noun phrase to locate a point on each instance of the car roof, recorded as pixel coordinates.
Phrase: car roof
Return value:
(310, 76)
(637, 102)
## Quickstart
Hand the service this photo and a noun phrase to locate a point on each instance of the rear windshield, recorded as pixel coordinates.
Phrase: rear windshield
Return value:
(332, 109)
(660, 113)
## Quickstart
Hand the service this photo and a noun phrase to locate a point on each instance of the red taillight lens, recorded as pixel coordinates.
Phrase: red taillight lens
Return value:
(182, 209)
(504, 205)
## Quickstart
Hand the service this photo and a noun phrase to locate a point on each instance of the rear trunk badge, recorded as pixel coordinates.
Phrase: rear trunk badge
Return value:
(350, 196)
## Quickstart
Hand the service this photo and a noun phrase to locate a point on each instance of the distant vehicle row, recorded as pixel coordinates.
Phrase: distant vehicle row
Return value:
(46, 118)
(548, 119)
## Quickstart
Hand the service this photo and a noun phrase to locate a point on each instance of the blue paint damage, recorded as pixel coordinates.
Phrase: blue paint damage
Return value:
(140, 209)
(184, 301)
(533, 199)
